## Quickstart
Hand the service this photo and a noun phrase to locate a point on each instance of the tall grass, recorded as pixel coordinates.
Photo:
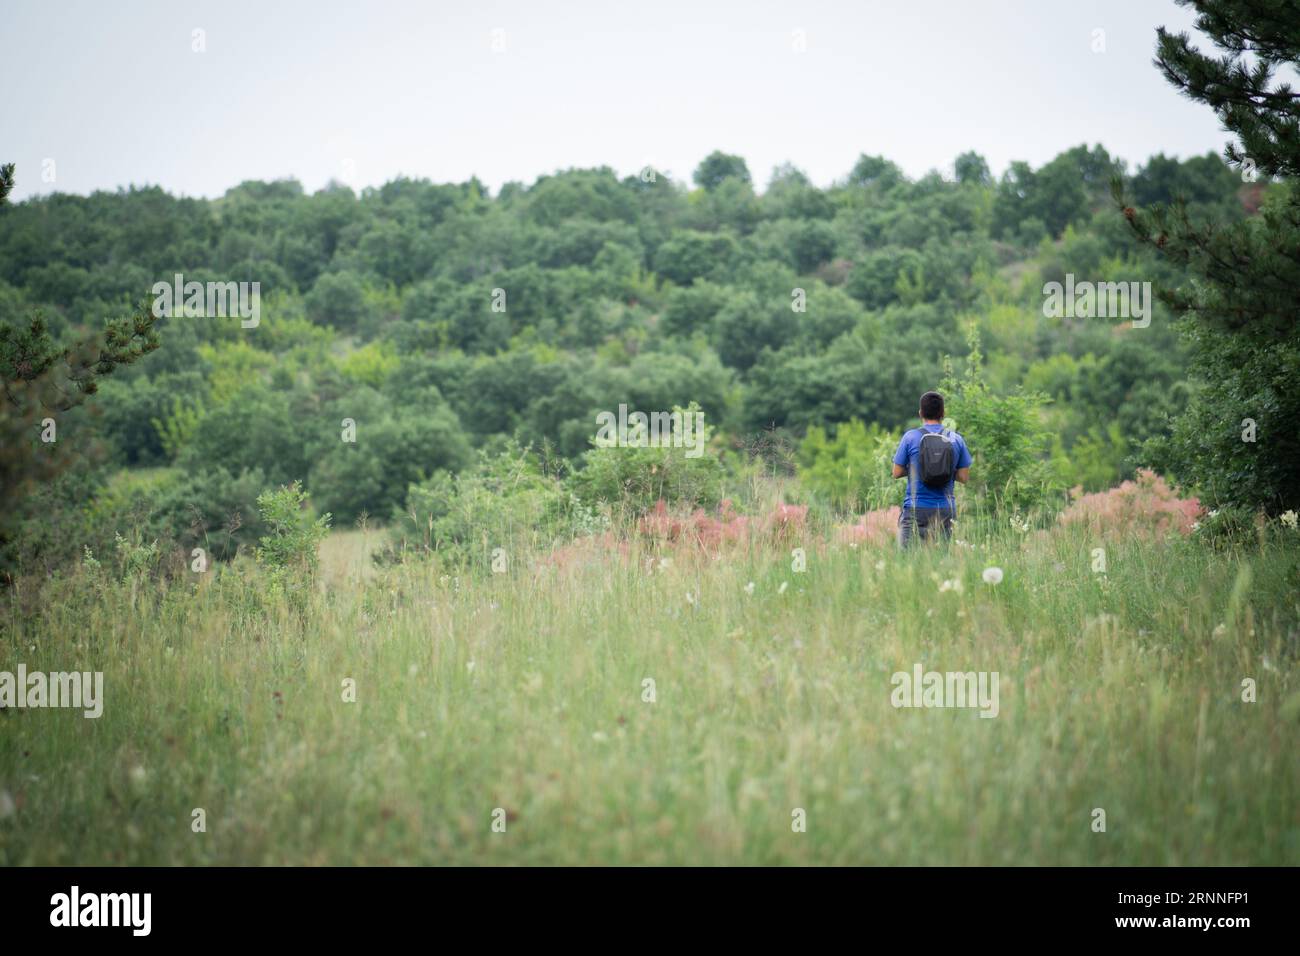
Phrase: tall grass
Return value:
(524, 691)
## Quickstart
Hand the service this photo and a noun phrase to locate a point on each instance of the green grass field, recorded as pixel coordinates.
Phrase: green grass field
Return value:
(525, 691)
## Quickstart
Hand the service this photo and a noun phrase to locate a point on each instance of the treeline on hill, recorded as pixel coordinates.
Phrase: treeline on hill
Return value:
(455, 328)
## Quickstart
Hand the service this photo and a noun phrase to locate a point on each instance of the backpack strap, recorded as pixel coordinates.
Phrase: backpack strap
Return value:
(913, 475)
(952, 495)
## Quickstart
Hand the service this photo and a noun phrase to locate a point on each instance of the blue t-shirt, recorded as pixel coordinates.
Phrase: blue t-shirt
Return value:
(909, 448)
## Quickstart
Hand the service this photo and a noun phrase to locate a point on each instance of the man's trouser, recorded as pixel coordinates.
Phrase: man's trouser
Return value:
(928, 524)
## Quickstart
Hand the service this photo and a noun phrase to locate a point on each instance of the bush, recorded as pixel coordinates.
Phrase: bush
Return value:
(1236, 443)
(1228, 527)
(1005, 437)
(508, 501)
(290, 547)
(212, 509)
(851, 471)
(87, 509)
(256, 428)
(1145, 506)
(395, 445)
(631, 479)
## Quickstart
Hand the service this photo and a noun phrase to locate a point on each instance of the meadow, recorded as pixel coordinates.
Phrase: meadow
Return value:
(507, 719)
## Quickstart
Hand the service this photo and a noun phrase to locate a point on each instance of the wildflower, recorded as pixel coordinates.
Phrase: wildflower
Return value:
(1020, 524)
(749, 588)
(139, 778)
(880, 565)
(469, 666)
(954, 585)
(992, 575)
(664, 563)
(1220, 630)
(784, 585)
(1290, 519)
(600, 736)
(690, 598)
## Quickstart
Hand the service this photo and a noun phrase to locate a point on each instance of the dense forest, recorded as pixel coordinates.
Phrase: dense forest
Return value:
(442, 321)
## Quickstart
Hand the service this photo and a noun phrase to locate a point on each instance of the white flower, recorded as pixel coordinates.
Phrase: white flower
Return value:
(992, 575)
(954, 585)
(784, 585)
(139, 778)
(1220, 630)
(1196, 525)
(600, 736)
(469, 666)
(880, 565)
(1290, 519)
(664, 563)
(749, 588)
(690, 598)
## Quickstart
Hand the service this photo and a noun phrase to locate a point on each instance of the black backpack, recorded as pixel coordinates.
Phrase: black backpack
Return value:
(934, 461)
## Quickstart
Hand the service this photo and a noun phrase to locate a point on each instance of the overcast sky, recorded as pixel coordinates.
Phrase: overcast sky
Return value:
(114, 93)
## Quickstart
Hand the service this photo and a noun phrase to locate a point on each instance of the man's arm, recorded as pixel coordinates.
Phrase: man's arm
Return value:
(901, 457)
(964, 462)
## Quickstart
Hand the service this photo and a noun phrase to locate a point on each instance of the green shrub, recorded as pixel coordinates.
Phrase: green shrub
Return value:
(508, 502)
(631, 478)
(210, 508)
(1229, 527)
(1235, 443)
(1005, 436)
(291, 544)
(395, 445)
(851, 470)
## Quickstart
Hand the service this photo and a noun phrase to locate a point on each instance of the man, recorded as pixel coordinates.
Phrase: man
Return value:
(931, 457)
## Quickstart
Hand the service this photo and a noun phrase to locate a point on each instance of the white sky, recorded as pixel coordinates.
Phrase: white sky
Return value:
(113, 93)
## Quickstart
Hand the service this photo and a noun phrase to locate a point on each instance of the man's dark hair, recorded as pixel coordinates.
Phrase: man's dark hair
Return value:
(932, 406)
